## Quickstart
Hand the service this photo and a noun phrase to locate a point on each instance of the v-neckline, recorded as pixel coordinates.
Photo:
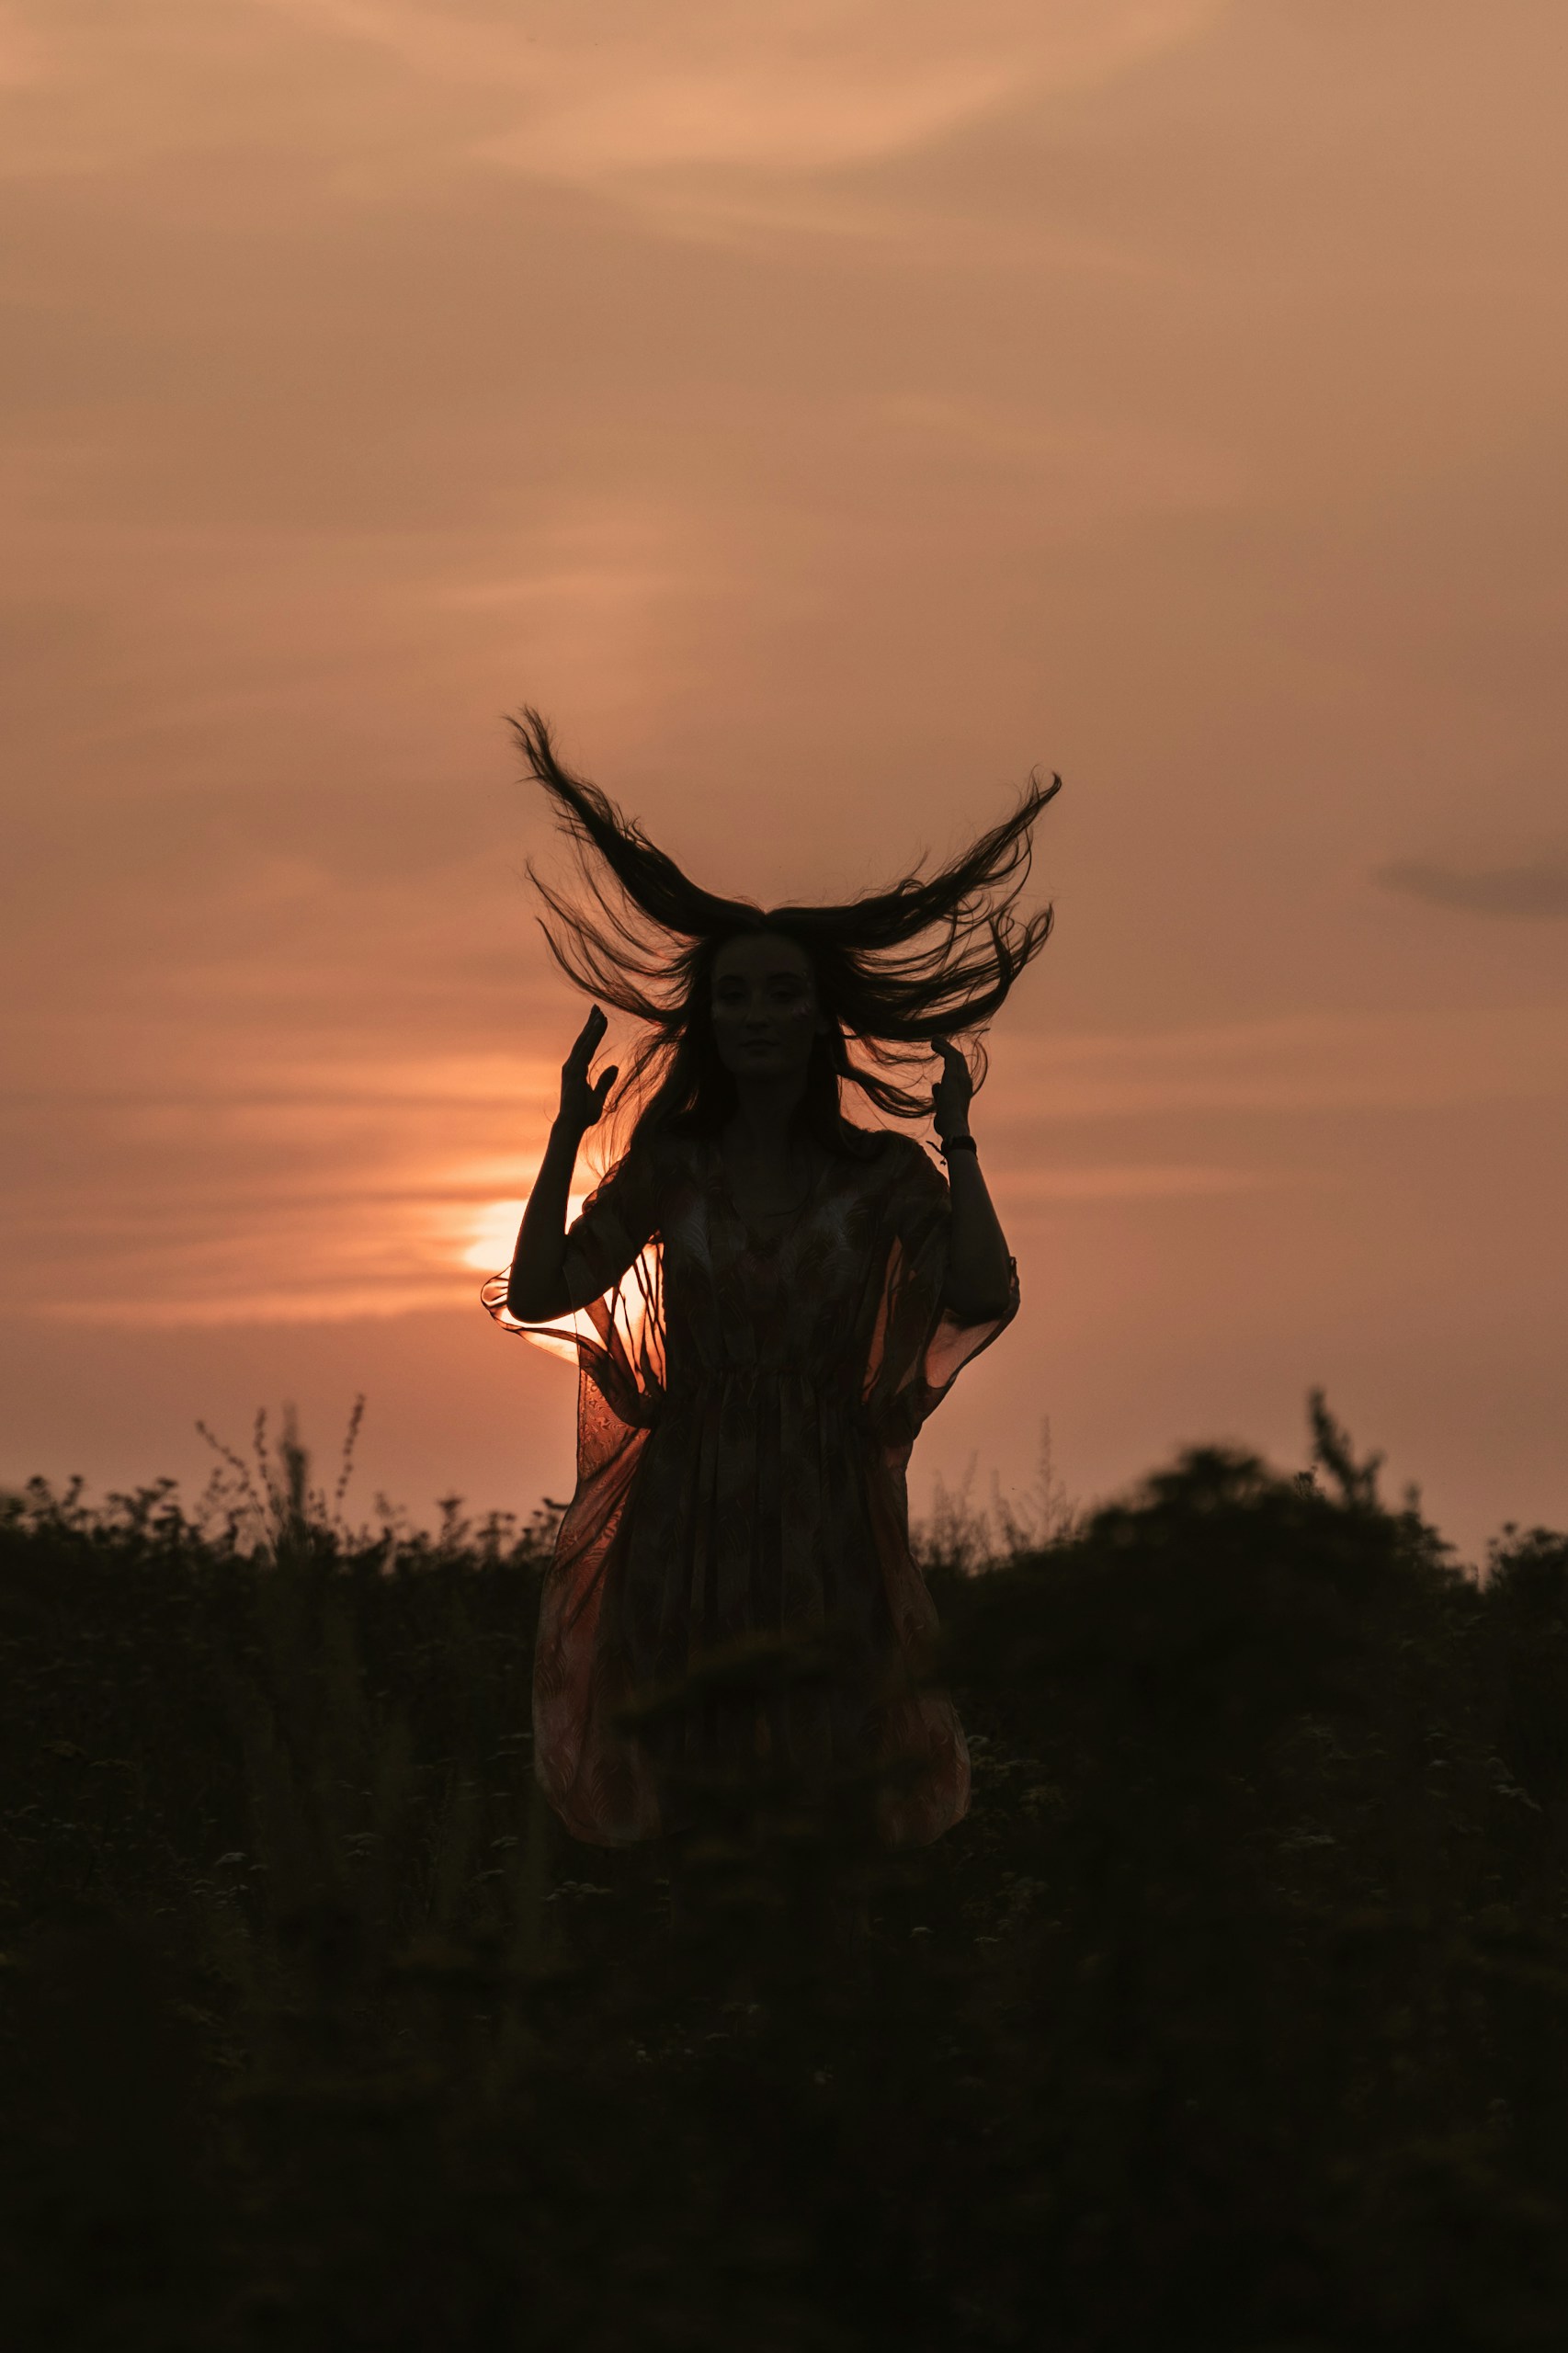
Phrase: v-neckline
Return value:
(758, 1234)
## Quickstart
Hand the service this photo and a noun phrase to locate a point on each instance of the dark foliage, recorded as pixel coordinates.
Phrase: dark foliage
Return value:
(1236, 2013)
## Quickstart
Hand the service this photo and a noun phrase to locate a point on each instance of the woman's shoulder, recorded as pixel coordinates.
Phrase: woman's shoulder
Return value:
(637, 1173)
(665, 1158)
(650, 1152)
(893, 1160)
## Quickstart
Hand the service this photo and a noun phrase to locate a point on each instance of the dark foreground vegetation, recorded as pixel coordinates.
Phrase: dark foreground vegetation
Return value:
(1235, 2016)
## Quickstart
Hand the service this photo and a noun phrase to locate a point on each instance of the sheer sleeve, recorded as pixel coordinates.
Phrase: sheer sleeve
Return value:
(619, 1216)
(920, 1346)
(613, 1328)
(615, 1331)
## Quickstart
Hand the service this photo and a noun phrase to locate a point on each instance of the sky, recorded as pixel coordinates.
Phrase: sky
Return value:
(826, 411)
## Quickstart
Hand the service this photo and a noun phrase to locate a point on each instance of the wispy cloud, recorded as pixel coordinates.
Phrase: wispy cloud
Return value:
(1384, 1062)
(324, 1188)
(1536, 889)
(791, 85)
(1084, 467)
(1123, 1181)
(564, 90)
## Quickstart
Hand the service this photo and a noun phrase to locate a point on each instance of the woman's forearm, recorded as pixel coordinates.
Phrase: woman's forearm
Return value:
(980, 1266)
(536, 1289)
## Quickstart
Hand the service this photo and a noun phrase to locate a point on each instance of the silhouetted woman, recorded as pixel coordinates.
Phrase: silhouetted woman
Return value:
(777, 1299)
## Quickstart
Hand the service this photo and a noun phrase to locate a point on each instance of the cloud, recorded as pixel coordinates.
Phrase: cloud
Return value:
(1091, 466)
(1300, 1062)
(1136, 1181)
(564, 90)
(304, 1187)
(1536, 889)
(789, 85)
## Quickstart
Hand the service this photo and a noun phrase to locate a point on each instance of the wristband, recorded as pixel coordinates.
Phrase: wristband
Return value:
(948, 1145)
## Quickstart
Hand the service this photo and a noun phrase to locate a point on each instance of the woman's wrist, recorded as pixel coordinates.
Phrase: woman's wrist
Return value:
(565, 1140)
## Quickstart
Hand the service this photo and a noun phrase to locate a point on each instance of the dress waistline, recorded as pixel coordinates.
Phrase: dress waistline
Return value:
(689, 1383)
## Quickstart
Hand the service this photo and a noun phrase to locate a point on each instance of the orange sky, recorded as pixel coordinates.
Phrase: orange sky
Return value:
(826, 411)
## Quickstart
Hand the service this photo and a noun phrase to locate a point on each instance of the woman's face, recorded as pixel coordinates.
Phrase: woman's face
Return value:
(764, 1007)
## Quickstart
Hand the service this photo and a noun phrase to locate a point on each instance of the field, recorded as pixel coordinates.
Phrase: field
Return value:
(1235, 2016)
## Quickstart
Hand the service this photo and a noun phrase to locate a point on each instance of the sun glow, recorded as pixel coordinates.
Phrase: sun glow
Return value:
(492, 1231)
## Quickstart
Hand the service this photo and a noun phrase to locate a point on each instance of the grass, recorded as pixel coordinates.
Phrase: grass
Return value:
(1236, 2014)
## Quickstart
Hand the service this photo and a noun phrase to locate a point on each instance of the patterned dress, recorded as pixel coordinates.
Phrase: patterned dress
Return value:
(747, 1406)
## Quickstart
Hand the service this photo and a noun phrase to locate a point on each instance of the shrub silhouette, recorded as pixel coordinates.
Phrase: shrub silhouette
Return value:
(1237, 2010)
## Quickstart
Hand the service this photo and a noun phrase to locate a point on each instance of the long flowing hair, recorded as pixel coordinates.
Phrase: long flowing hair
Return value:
(935, 956)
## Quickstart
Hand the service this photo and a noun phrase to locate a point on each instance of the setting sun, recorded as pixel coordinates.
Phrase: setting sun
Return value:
(492, 1231)
(954, 390)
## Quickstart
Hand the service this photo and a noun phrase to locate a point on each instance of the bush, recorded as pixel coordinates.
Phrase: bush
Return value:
(1235, 2011)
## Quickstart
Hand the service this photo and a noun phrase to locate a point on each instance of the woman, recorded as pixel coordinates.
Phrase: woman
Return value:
(777, 1299)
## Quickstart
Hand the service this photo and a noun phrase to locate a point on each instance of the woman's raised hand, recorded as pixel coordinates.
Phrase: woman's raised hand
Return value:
(583, 1099)
(950, 1095)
